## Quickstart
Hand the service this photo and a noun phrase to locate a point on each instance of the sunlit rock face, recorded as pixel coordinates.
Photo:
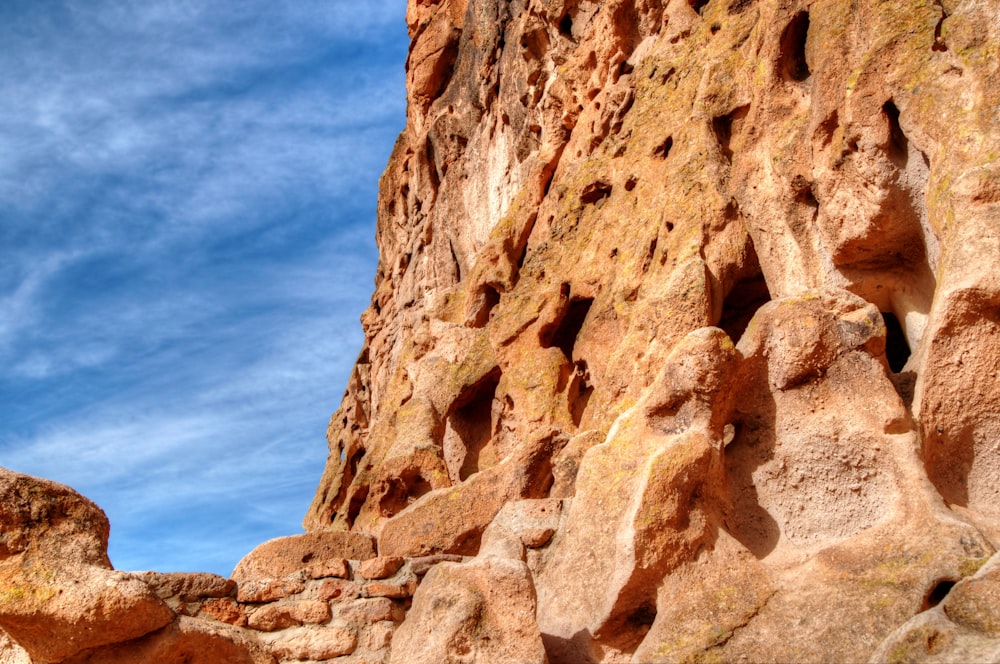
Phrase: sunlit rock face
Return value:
(713, 280)
(685, 346)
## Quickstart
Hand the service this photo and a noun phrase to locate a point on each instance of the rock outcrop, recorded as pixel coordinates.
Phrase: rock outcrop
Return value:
(683, 348)
(714, 280)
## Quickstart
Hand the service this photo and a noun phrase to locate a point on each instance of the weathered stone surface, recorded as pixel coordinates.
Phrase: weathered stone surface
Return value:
(479, 611)
(423, 564)
(269, 590)
(583, 186)
(312, 643)
(367, 611)
(185, 641)
(224, 610)
(272, 617)
(963, 624)
(717, 278)
(11, 653)
(452, 520)
(188, 586)
(58, 593)
(285, 556)
(381, 567)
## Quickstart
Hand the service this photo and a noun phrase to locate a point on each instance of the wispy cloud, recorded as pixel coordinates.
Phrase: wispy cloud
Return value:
(187, 194)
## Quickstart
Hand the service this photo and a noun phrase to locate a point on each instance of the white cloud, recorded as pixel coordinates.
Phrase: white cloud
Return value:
(188, 191)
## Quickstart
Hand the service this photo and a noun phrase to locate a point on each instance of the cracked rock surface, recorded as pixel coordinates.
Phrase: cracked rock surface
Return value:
(685, 346)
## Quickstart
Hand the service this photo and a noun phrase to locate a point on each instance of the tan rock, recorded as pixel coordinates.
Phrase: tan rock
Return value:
(452, 520)
(381, 567)
(337, 590)
(640, 510)
(961, 624)
(11, 653)
(272, 617)
(423, 564)
(481, 611)
(224, 610)
(284, 556)
(368, 611)
(186, 641)
(188, 586)
(58, 595)
(268, 590)
(312, 643)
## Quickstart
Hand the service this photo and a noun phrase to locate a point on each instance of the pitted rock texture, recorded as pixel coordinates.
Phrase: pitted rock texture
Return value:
(715, 281)
(684, 347)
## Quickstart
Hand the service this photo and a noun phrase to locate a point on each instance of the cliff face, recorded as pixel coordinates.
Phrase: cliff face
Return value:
(716, 279)
(684, 347)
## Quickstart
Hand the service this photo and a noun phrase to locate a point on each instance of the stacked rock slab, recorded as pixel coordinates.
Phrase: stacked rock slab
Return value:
(684, 347)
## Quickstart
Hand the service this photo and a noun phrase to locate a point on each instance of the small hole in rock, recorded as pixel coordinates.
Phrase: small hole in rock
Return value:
(897, 350)
(740, 305)
(594, 192)
(937, 593)
(564, 337)
(898, 148)
(792, 64)
(630, 184)
(697, 5)
(566, 26)
(662, 151)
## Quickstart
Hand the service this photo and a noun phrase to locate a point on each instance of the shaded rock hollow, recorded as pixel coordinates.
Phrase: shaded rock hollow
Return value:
(683, 348)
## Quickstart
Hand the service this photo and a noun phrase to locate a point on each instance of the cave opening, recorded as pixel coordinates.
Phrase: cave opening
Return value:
(469, 429)
(937, 593)
(792, 63)
(566, 333)
(897, 349)
(741, 303)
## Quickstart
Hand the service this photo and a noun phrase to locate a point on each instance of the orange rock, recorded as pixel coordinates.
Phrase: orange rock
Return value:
(268, 591)
(312, 643)
(381, 567)
(186, 640)
(59, 594)
(489, 616)
(225, 610)
(284, 556)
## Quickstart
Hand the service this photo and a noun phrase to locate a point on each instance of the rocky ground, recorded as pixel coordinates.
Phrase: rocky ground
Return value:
(684, 347)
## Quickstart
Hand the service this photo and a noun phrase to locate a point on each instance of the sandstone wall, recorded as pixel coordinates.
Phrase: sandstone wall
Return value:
(684, 347)
(716, 276)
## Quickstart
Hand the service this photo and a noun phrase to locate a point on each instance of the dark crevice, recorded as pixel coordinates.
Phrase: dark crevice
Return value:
(697, 5)
(566, 26)
(792, 64)
(742, 302)
(898, 146)
(662, 151)
(594, 192)
(471, 422)
(455, 262)
(937, 593)
(565, 334)
(580, 391)
(897, 349)
(356, 503)
(939, 44)
(650, 252)
(630, 183)
(724, 127)
(745, 292)
(488, 298)
(402, 492)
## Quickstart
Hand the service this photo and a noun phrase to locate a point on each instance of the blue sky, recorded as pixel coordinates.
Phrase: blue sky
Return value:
(187, 209)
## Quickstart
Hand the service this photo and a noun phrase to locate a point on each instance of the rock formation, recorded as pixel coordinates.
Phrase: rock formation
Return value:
(683, 348)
